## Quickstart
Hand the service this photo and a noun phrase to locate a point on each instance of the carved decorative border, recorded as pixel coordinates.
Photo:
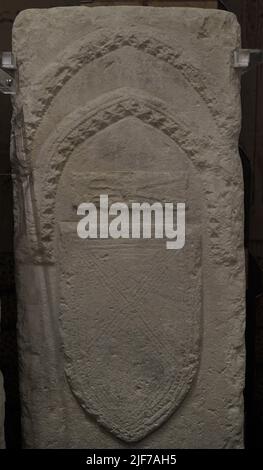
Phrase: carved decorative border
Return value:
(86, 122)
(94, 47)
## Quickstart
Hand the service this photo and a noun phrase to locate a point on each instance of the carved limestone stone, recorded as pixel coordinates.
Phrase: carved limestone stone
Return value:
(122, 342)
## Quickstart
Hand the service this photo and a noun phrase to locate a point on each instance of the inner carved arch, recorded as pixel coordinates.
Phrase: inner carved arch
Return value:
(88, 121)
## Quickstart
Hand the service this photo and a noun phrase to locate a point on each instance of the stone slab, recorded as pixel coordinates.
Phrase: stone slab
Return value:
(122, 342)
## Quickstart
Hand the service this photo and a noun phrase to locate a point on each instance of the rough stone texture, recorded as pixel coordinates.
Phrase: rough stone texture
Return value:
(123, 343)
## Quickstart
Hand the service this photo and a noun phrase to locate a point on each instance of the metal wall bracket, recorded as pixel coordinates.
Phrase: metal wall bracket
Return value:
(7, 80)
(244, 59)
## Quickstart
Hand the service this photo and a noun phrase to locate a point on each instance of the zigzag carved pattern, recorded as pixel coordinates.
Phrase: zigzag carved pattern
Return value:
(68, 64)
(87, 122)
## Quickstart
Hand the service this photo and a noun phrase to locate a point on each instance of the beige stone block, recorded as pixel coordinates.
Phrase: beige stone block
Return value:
(122, 342)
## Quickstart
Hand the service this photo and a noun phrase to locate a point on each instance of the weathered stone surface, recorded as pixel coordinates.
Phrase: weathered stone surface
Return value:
(122, 342)
(2, 413)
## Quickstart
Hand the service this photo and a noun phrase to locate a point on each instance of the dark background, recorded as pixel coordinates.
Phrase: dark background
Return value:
(250, 14)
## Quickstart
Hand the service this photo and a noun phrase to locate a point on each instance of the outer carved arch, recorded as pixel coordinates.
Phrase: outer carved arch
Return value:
(94, 47)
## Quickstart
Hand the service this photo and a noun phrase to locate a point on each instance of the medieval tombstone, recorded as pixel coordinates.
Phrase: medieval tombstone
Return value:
(122, 342)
